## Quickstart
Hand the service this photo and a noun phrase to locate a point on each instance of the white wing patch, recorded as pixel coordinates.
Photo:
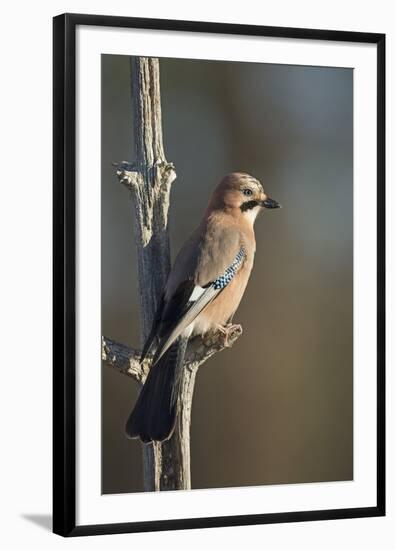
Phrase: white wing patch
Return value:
(197, 292)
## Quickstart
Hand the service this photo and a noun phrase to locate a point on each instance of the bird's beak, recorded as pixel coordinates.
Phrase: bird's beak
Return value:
(270, 203)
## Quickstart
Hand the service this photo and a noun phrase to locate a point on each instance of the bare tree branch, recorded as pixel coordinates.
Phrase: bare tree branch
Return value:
(127, 360)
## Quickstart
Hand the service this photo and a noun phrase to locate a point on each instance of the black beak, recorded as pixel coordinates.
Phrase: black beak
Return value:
(270, 203)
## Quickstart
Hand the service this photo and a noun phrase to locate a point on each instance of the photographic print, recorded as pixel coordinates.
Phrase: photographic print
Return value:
(275, 405)
(219, 275)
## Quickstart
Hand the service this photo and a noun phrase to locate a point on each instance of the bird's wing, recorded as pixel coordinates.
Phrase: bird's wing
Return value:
(204, 256)
(166, 312)
(189, 300)
(154, 329)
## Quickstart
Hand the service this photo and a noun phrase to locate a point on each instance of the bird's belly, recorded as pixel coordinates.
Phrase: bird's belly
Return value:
(224, 306)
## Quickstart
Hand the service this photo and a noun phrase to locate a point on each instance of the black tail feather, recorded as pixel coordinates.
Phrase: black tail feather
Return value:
(154, 415)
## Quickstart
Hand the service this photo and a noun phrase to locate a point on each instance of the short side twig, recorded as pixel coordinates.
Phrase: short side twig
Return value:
(127, 360)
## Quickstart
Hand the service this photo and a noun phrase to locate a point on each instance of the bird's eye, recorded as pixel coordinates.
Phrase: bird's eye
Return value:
(247, 192)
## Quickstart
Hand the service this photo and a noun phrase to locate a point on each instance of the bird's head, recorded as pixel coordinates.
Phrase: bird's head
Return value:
(241, 194)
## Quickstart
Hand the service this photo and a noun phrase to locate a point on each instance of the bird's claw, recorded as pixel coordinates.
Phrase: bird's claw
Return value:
(228, 333)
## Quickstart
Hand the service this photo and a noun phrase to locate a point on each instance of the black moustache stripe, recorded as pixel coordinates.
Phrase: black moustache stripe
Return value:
(248, 205)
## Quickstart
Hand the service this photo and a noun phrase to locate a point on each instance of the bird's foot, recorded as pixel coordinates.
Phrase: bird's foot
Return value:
(229, 333)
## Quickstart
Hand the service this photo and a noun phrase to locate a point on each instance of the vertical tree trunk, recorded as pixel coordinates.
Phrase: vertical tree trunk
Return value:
(167, 465)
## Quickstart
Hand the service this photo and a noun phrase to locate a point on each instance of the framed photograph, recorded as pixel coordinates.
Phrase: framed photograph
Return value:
(219, 275)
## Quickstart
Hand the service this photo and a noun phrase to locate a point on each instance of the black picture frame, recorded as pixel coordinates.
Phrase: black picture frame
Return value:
(64, 273)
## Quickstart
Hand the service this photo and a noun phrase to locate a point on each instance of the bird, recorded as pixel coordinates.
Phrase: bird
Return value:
(202, 293)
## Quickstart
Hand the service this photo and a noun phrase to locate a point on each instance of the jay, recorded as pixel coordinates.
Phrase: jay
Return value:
(202, 293)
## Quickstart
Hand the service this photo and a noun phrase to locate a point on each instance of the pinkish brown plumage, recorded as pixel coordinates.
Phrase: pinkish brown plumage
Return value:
(203, 291)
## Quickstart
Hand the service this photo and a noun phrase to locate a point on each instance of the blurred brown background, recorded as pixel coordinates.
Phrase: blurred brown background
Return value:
(290, 419)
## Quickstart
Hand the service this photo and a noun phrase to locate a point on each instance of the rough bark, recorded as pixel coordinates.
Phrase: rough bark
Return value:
(149, 178)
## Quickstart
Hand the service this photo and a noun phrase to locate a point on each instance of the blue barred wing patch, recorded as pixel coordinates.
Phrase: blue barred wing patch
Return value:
(223, 280)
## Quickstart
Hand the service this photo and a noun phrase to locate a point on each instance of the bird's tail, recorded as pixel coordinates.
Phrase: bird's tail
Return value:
(154, 415)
